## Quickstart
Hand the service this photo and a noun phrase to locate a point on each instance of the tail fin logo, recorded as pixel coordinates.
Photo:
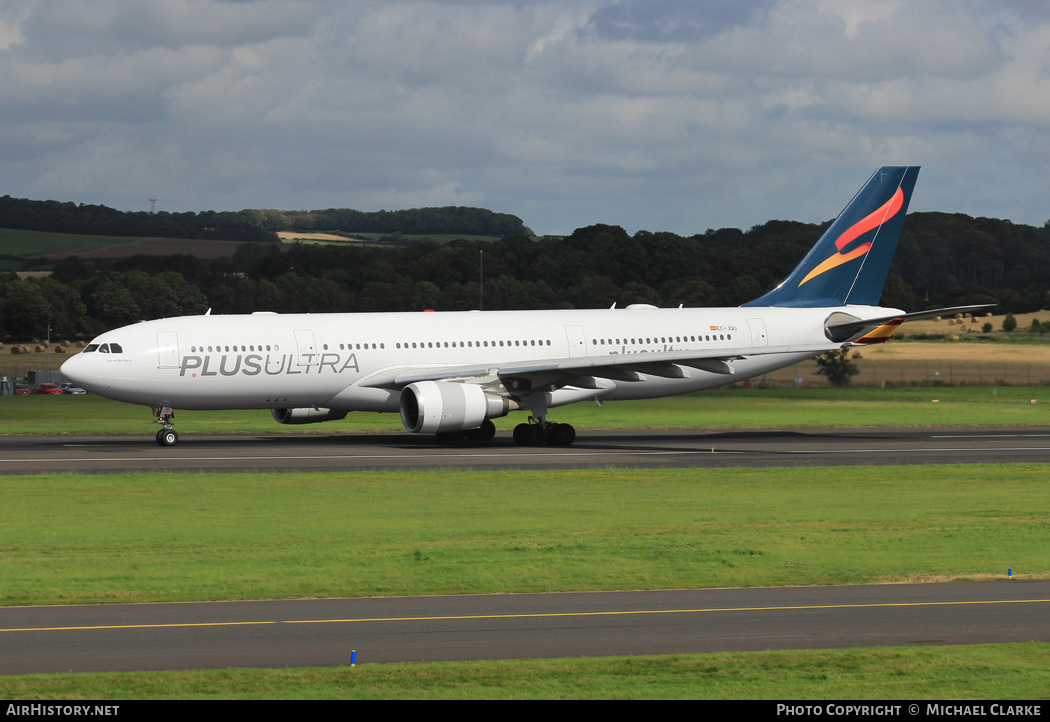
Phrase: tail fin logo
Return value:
(873, 220)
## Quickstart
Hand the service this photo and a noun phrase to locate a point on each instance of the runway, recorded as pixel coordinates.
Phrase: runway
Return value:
(325, 632)
(636, 449)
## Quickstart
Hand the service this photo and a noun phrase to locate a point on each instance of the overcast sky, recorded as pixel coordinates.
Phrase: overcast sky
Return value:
(677, 115)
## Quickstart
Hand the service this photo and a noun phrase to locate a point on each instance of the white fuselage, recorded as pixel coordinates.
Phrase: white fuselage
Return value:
(267, 361)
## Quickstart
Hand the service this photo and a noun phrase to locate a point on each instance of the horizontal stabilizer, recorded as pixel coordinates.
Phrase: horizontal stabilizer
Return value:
(858, 325)
(842, 327)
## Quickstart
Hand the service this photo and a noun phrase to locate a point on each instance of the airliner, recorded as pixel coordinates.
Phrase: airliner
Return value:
(451, 373)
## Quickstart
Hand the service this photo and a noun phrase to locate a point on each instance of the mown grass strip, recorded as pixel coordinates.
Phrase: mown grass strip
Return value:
(720, 408)
(175, 537)
(1004, 671)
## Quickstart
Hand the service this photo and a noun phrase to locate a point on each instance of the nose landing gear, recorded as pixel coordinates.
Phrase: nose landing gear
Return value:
(167, 436)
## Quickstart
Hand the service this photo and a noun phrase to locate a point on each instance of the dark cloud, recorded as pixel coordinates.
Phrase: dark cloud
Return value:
(673, 20)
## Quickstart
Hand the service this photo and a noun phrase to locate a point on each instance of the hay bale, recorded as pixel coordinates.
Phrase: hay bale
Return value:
(19, 349)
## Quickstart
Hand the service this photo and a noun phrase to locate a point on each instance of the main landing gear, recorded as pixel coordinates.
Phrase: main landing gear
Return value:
(483, 433)
(538, 433)
(167, 436)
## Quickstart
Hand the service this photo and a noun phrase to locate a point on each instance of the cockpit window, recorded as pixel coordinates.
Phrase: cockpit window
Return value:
(115, 348)
(104, 348)
(91, 347)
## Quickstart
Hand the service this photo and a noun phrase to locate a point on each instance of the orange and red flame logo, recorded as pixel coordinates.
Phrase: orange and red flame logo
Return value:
(869, 222)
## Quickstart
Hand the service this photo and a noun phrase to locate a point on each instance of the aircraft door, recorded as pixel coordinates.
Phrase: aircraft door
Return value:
(577, 343)
(758, 332)
(167, 350)
(306, 347)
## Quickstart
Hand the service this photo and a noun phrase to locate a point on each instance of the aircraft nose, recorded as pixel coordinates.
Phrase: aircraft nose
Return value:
(71, 370)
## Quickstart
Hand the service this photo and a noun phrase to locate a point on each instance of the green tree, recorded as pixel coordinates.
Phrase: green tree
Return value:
(26, 310)
(1009, 323)
(71, 269)
(112, 303)
(66, 310)
(838, 366)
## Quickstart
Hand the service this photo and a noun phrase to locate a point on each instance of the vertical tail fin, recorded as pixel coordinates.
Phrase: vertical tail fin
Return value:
(849, 263)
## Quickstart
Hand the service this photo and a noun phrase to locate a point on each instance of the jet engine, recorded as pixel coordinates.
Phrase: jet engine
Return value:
(310, 415)
(436, 407)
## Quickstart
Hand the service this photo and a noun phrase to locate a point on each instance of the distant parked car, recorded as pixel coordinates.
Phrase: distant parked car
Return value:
(48, 389)
(22, 390)
(68, 388)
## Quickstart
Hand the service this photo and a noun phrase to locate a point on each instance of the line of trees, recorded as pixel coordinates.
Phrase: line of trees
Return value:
(258, 226)
(942, 260)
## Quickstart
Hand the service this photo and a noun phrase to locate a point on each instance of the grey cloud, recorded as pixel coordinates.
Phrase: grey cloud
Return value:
(673, 20)
(73, 28)
(665, 115)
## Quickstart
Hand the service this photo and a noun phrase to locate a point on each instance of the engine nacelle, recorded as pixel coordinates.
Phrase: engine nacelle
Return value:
(310, 415)
(433, 407)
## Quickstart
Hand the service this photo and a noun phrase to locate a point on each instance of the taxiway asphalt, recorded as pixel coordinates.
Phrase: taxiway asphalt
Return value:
(327, 631)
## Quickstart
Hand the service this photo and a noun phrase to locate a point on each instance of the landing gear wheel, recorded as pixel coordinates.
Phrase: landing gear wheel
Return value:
(561, 434)
(483, 433)
(528, 435)
(167, 437)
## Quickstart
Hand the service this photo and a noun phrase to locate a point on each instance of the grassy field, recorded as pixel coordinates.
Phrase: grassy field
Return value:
(33, 244)
(1005, 672)
(721, 408)
(184, 537)
(15, 242)
(118, 538)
